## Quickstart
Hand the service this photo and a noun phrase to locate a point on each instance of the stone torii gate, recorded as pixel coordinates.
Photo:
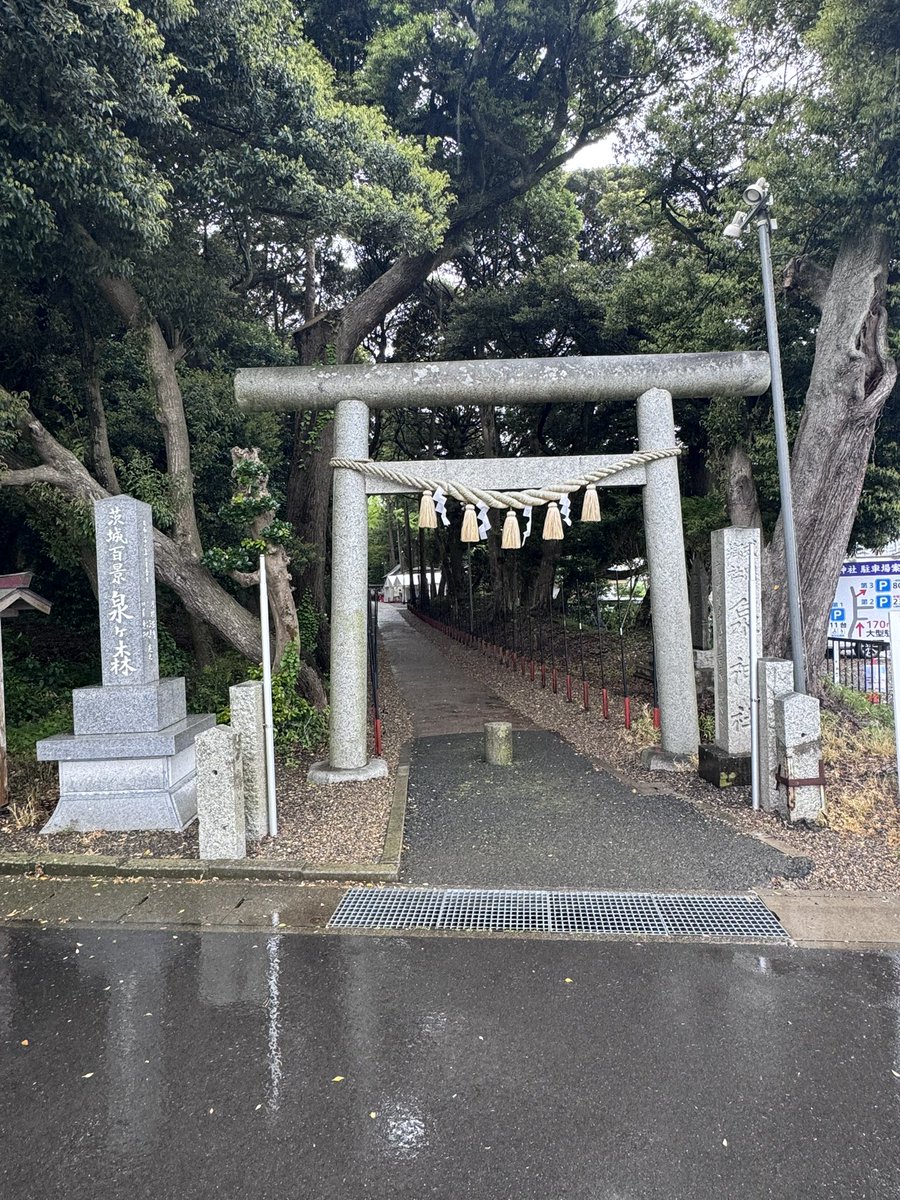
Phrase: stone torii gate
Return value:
(651, 380)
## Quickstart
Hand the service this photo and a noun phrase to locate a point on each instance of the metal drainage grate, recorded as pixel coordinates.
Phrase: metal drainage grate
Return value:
(558, 912)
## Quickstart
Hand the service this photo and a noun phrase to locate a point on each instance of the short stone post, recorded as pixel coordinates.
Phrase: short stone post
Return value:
(246, 702)
(798, 729)
(220, 794)
(727, 762)
(498, 746)
(669, 604)
(776, 678)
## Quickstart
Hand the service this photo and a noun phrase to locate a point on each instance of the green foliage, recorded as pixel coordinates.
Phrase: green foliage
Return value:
(881, 715)
(35, 686)
(298, 724)
(309, 621)
(207, 687)
(21, 738)
(172, 659)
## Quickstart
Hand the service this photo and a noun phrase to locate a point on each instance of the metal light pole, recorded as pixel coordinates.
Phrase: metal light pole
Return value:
(760, 198)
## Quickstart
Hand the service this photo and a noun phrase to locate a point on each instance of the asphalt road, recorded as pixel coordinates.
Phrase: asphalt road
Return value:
(139, 1063)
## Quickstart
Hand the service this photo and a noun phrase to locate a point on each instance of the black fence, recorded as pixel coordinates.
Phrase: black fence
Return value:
(863, 666)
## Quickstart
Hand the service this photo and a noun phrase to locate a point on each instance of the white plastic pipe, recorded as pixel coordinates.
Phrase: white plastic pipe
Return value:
(752, 601)
(268, 723)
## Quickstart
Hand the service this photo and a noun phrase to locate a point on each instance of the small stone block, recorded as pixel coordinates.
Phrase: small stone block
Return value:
(498, 745)
(722, 769)
(220, 794)
(798, 730)
(776, 678)
(653, 758)
(246, 701)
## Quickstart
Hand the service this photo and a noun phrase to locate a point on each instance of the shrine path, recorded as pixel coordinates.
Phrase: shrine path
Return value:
(551, 820)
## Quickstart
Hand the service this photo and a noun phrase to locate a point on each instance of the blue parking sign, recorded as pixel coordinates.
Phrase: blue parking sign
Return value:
(882, 585)
(883, 602)
(838, 614)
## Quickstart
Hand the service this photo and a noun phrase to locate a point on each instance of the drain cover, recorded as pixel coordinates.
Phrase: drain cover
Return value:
(491, 910)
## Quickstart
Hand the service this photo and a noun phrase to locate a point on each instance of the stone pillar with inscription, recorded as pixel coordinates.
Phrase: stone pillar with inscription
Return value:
(727, 762)
(130, 762)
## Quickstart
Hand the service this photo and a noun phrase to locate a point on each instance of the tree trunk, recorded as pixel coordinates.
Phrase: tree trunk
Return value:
(853, 374)
(100, 455)
(740, 491)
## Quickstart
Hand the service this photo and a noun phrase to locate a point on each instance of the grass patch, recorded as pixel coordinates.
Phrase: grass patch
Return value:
(860, 766)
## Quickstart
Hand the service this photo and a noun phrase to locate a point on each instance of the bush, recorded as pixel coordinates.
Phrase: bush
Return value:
(21, 738)
(297, 722)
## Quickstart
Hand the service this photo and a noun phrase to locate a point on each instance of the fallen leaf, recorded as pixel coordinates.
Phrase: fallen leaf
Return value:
(373, 1114)
(24, 1042)
(567, 980)
(337, 1079)
(897, 1073)
(89, 1075)
(724, 1141)
(258, 1107)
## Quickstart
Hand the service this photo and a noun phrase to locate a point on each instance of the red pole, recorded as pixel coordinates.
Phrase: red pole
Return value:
(585, 695)
(604, 703)
(569, 688)
(627, 712)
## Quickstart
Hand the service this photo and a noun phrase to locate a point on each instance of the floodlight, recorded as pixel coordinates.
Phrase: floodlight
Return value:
(736, 226)
(757, 192)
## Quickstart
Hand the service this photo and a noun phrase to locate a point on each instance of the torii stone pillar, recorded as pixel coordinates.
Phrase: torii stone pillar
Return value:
(353, 390)
(347, 744)
(669, 603)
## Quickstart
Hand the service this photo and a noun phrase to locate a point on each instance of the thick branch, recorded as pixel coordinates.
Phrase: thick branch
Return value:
(201, 595)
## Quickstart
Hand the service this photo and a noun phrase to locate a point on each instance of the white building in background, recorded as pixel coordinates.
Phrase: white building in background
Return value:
(395, 589)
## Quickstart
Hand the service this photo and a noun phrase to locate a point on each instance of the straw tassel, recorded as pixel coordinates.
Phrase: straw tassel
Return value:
(590, 509)
(427, 513)
(512, 538)
(470, 525)
(553, 530)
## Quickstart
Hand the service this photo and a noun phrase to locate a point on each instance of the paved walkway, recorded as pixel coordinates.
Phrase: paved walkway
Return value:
(440, 697)
(550, 820)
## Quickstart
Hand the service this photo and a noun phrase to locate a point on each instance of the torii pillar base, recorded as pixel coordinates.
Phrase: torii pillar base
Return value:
(324, 773)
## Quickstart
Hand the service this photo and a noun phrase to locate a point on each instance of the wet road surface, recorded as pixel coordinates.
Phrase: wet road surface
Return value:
(141, 1063)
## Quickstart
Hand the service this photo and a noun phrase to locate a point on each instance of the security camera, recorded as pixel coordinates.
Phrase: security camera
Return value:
(757, 192)
(735, 228)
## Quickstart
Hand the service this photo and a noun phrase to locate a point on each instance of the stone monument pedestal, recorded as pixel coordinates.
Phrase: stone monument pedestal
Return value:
(723, 768)
(126, 780)
(130, 764)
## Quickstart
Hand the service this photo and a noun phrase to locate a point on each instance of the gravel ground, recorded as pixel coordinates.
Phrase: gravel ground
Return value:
(345, 823)
(842, 861)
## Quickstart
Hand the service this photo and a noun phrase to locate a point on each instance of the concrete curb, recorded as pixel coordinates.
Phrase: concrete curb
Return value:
(837, 920)
(386, 870)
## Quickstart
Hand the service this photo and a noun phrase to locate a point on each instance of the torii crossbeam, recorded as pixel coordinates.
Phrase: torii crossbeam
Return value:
(650, 380)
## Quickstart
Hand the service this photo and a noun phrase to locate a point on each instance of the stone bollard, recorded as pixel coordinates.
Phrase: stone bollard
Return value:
(798, 730)
(246, 700)
(220, 794)
(776, 678)
(498, 748)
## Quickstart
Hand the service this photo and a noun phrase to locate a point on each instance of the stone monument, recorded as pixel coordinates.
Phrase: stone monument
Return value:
(727, 762)
(130, 762)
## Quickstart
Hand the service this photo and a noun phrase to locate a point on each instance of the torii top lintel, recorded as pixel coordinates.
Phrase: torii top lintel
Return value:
(500, 381)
